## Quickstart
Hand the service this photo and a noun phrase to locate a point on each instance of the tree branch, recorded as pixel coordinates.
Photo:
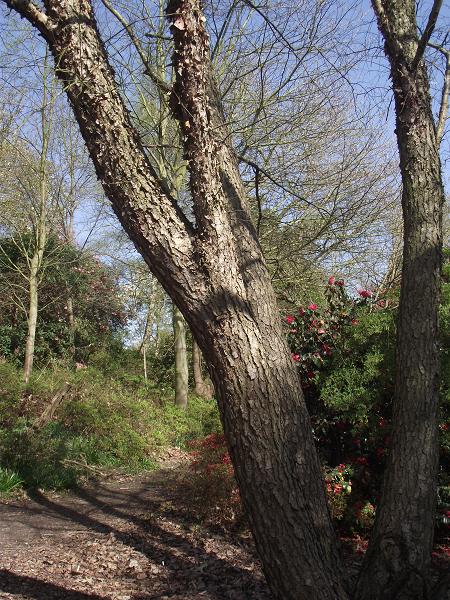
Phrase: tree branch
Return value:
(149, 71)
(29, 11)
(437, 4)
(443, 109)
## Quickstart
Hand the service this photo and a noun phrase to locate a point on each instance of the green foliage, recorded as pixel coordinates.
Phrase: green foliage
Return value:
(69, 273)
(9, 482)
(348, 366)
(102, 422)
(360, 376)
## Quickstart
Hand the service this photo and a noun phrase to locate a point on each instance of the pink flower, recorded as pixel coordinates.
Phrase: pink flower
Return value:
(292, 331)
(354, 321)
(296, 357)
(290, 319)
(337, 488)
(312, 306)
(331, 280)
(321, 331)
(365, 293)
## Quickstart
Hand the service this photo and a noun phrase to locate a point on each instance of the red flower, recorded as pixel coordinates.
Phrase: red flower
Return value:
(381, 422)
(296, 357)
(340, 283)
(331, 280)
(365, 293)
(290, 319)
(312, 306)
(354, 321)
(362, 460)
(310, 375)
(301, 311)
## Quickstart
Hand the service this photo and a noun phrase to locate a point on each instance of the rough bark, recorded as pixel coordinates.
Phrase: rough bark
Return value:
(400, 548)
(181, 362)
(216, 275)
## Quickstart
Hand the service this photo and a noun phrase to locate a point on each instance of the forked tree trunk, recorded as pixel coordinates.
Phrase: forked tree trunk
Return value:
(181, 361)
(216, 275)
(399, 553)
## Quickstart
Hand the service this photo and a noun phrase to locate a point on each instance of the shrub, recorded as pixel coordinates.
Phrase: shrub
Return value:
(210, 483)
(100, 422)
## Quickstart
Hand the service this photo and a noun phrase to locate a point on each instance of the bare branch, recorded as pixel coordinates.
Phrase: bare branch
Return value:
(29, 11)
(437, 4)
(443, 109)
(149, 71)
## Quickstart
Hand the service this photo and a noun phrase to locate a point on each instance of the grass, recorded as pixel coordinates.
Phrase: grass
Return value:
(103, 422)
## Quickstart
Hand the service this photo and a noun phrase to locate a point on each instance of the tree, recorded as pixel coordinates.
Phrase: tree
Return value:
(99, 315)
(32, 220)
(400, 548)
(215, 273)
(214, 270)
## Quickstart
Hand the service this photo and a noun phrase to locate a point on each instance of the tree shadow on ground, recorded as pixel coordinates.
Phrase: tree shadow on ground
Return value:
(191, 565)
(12, 583)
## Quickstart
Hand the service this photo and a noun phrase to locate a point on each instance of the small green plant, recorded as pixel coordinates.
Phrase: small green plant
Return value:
(9, 482)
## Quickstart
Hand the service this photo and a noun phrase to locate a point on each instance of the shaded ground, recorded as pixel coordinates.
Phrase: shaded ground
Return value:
(127, 539)
(119, 540)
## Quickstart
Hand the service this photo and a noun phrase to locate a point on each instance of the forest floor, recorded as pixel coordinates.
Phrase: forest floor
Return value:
(121, 539)
(124, 538)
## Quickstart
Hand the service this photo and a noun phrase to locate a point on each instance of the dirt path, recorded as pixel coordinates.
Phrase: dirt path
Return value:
(119, 540)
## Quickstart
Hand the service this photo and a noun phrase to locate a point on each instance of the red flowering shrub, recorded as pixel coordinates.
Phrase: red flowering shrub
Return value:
(314, 334)
(211, 485)
(339, 487)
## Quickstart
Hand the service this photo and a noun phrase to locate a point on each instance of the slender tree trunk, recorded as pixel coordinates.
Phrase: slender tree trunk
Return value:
(40, 223)
(215, 273)
(399, 553)
(202, 386)
(32, 319)
(144, 356)
(71, 320)
(181, 362)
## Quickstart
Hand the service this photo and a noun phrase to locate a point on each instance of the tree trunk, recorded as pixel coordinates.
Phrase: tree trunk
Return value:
(399, 553)
(202, 386)
(215, 273)
(181, 362)
(71, 320)
(32, 320)
(144, 357)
